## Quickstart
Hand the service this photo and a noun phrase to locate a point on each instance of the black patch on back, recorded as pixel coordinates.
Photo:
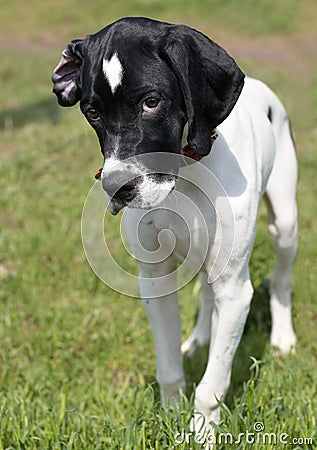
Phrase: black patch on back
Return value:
(269, 114)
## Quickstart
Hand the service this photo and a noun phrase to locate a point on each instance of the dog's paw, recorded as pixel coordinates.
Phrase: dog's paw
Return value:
(190, 346)
(193, 343)
(283, 344)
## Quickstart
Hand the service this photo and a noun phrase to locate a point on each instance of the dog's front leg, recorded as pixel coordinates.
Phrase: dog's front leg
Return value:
(163, 314)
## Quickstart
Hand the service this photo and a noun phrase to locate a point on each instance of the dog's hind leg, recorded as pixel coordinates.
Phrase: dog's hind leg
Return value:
(280, 198)
(201, 332)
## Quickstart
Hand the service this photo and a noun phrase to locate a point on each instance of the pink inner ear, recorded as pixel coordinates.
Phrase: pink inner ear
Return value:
(67, 67)
(64, 59)
(65, 79)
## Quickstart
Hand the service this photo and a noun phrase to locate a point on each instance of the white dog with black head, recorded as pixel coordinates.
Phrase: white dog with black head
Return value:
(145, 86)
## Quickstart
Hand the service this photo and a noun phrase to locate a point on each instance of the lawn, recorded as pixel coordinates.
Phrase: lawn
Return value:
(77, 365)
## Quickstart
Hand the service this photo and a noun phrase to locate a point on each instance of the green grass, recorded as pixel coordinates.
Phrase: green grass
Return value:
(77, 367)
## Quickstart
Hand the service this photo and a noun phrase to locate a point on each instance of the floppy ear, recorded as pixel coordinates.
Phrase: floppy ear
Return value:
(66, 74)
(210, 80)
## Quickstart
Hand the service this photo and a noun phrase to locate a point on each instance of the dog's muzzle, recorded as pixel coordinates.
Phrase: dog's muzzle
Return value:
(145, 191)
(143, 184)
(122, 188)
(121, 185)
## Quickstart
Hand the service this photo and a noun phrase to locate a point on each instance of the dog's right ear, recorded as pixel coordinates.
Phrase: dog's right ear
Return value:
(210, 80)
(66, 75)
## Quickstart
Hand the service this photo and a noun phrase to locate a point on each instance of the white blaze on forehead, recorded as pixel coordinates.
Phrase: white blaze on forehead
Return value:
(113, 71)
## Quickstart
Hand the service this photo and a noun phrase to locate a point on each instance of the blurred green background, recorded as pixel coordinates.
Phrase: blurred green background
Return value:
(75, 357)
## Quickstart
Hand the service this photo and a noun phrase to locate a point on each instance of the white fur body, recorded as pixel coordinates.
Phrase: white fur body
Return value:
(253, 155)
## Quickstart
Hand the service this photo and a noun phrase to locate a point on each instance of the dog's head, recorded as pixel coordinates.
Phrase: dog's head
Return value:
(139, 82)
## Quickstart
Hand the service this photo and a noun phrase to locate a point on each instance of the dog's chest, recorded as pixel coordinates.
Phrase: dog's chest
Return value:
(179, 233)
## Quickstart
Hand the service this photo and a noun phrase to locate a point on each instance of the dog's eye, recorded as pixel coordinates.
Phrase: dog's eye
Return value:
(150, 103)
(92, 114)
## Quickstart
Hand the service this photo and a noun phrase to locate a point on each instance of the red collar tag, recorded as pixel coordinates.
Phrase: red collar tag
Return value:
(190, 153)
(98, 174)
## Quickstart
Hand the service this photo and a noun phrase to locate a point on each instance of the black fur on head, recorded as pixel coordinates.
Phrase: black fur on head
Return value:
(209, 80)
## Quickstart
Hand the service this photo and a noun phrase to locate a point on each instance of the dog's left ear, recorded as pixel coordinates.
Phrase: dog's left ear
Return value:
(66, 75)
(210, 80)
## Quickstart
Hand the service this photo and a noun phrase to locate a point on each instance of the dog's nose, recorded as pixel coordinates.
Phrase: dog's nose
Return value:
(120, 184)
(127, 192)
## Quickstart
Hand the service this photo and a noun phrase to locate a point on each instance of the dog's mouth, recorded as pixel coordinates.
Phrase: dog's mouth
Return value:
(147, 194)
(115, 206)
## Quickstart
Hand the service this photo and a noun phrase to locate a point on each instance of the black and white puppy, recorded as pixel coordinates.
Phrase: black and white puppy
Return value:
(138, 82)
(144, 86)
